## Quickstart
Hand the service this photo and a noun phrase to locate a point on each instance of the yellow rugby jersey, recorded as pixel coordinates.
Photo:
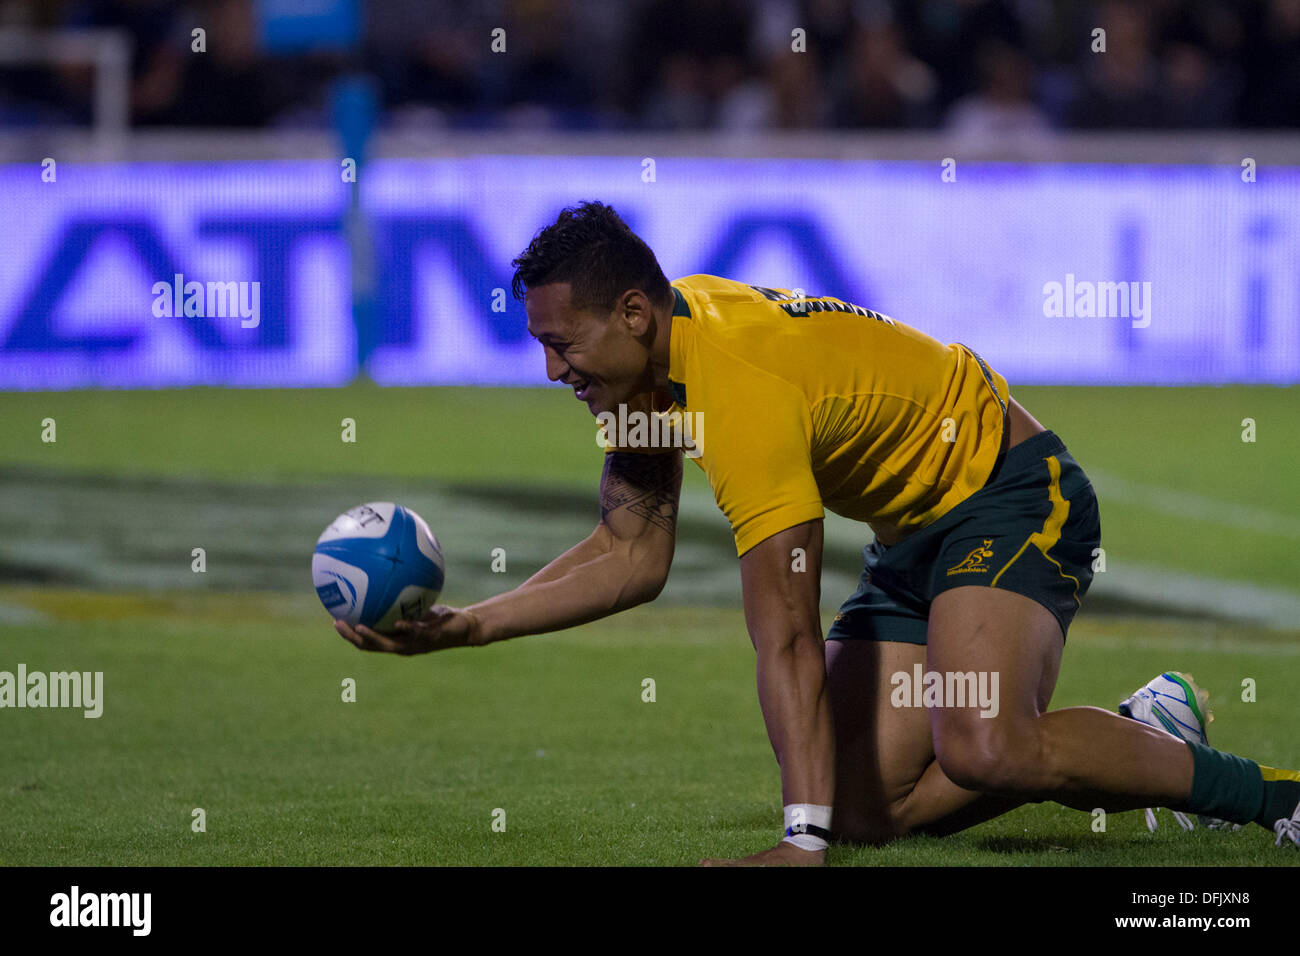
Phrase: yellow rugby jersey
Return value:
(814, 402)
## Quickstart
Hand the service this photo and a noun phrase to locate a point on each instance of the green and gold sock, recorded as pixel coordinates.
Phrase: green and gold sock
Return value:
(1281, 795)
(1224, 785)
(1240, 790)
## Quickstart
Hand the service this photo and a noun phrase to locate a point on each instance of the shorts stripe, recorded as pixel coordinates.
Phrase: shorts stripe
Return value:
(1046, 539)
(1273, 773)
(1023, 506)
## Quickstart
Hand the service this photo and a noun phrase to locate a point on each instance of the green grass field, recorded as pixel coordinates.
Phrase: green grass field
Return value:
(223, 689)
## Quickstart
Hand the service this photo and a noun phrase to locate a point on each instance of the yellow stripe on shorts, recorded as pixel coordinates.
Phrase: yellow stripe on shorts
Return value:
(1272, 773)
(1046, 539)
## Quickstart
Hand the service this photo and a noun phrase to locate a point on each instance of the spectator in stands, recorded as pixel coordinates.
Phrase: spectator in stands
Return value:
(1002, 108)
(685, 59)
(544, 82)
(882, 84)
(1272, 94)
(1120, 85)
(232, 83)
(986, 67)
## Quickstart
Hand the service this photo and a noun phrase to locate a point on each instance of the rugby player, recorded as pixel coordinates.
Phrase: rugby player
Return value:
(985, 531)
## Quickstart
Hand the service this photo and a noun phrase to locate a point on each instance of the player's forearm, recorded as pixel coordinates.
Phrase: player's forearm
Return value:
(796, 709)
(586, 586)
(588, 549)
(624, 562)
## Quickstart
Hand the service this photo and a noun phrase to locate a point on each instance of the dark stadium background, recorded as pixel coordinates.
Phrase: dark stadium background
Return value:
(222, 687)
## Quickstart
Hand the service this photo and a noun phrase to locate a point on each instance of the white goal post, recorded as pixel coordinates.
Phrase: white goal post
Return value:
(108, 51)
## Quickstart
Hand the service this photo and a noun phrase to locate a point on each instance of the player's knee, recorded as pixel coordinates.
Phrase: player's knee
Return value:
(990, 756)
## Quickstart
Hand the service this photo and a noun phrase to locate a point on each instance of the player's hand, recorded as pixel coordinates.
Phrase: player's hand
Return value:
(783, 854)
(441, 627)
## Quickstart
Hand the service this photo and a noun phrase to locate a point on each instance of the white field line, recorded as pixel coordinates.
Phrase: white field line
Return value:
(1271, 607)
(13, 615)
(1192, 642)
(1146, 584)
(1187, 504)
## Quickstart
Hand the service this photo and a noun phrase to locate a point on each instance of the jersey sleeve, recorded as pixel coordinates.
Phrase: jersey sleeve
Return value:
(757, 451)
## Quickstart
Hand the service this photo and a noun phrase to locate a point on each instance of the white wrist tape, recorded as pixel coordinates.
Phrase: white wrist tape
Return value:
(807, 826)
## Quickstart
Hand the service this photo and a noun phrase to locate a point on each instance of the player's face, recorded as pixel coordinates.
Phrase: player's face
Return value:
(605, 359)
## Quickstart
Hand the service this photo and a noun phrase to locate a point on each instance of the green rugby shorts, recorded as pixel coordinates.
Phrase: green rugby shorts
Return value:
(1034, 528)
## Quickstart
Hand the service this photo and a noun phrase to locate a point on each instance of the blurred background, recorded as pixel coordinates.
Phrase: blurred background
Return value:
(982, 65)
(361, 173)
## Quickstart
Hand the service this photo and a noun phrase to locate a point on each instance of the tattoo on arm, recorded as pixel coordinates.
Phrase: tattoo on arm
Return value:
(647, 485)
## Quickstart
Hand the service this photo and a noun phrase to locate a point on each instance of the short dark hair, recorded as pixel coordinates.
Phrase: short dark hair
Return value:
(593, 249)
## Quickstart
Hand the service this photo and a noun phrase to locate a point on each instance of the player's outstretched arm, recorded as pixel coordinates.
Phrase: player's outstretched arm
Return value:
(624, 562)
(781, 577)
(639, 496)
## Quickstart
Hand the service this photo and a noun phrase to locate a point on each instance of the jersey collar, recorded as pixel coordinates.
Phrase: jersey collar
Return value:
(677, 349)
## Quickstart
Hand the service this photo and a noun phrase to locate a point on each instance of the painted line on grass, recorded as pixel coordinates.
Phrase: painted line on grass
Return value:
(1195, 593)
(1198, 507)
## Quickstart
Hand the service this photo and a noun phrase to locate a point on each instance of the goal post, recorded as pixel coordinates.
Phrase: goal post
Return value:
(108, 51)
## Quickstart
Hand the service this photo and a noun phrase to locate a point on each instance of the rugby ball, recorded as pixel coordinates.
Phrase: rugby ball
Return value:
(376, 564)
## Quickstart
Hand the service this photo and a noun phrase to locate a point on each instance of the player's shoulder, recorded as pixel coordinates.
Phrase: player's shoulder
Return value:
(725, 310)
(734, 329)
(711, 288)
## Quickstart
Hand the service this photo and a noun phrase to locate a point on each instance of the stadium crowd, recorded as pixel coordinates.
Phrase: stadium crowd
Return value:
(993, 66)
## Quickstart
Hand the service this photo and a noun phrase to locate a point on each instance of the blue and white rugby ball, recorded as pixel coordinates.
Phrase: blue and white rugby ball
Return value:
(377, 564)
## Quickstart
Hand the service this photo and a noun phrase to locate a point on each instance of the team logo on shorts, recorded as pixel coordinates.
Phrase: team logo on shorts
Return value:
(975, 560)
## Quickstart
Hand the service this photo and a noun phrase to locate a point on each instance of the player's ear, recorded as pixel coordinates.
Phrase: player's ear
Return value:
(634, 309)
